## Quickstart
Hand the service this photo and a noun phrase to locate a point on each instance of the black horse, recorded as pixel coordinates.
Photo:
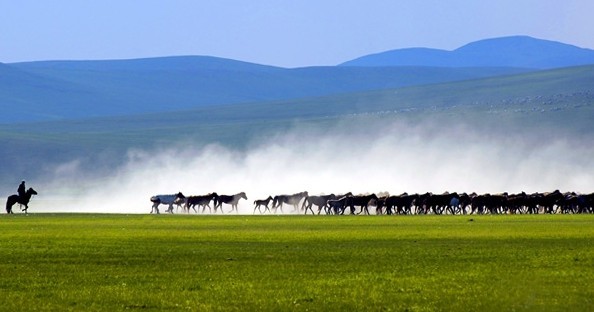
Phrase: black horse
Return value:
(202, 200)
(13, 199)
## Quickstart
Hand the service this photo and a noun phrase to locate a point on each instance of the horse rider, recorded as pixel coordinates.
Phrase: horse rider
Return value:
(21, 190)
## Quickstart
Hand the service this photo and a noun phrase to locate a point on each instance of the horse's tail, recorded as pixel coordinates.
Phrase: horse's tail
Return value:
(9, 202)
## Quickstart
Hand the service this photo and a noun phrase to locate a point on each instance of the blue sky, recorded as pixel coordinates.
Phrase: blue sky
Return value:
(275, 32)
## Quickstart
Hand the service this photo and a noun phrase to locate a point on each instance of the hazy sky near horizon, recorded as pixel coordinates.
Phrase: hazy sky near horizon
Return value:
(275, 32)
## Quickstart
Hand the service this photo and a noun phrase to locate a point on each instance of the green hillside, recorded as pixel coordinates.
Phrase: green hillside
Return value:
(66, 90)
(556, 102)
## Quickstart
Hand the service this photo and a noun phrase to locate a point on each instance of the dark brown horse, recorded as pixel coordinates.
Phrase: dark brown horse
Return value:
(363, 202)
(399, 204)
(24, 200)
(262, 202)
(339, 205)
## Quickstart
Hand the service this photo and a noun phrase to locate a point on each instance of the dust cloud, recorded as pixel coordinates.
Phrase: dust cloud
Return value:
(392, 157)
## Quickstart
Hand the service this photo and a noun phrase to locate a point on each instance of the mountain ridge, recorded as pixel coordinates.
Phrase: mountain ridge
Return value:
(62, 90)
(512, 51)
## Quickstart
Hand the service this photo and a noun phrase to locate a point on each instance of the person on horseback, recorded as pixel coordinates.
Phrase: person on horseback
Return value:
(21, 190)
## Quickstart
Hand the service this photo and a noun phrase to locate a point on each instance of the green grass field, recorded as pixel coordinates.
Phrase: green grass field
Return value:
(419, 263)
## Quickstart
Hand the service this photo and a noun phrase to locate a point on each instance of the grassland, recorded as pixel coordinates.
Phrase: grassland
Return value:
(420, 263)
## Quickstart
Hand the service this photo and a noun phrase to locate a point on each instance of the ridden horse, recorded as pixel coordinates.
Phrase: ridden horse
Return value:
(262, 202)
(294, 200)
(166, 200)
(201, 200)
(13, 199)
(229, 199)
(320, 201)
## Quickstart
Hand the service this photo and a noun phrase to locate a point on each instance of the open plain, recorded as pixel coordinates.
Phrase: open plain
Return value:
(110, 262)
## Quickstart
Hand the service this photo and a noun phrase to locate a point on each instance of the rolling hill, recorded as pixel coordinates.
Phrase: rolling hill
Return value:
(515, 51)
(94, 112)
(59, 90)
(553, 103)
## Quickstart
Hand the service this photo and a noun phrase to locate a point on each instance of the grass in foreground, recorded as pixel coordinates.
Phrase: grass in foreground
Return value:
(418, 263)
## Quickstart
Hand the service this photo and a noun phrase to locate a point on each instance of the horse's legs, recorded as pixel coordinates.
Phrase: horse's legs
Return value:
(155, 207)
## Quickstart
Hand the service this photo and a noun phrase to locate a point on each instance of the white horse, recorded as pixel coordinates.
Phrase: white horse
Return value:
(173, 199)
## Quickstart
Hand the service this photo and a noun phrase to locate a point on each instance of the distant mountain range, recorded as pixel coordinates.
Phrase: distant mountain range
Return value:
(66, 90)
(515, 51)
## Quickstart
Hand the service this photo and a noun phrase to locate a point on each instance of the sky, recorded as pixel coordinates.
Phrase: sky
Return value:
(284, 33)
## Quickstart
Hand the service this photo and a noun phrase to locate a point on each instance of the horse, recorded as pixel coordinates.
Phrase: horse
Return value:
(294, 200)
(229, 199)
(399, 204)
(363, 202)
(339, 205)
(262, 202)
(320, 201)
(166, 200)
(24, 200)
(202, 200)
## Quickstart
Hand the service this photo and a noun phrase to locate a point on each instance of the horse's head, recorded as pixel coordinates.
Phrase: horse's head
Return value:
(31, 191)
(180, 195)
(243, 195)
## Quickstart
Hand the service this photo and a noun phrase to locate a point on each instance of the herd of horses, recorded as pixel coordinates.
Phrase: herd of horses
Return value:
(404, 204)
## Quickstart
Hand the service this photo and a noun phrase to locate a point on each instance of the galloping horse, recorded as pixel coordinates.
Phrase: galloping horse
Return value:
(166, 200)
(262, 202)
(229, 199)
(13, 199)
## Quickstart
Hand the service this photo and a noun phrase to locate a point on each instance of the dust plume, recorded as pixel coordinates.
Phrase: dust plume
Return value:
(389, 156)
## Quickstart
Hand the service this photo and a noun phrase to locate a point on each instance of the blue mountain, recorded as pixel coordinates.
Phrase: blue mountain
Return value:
(514, 51)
